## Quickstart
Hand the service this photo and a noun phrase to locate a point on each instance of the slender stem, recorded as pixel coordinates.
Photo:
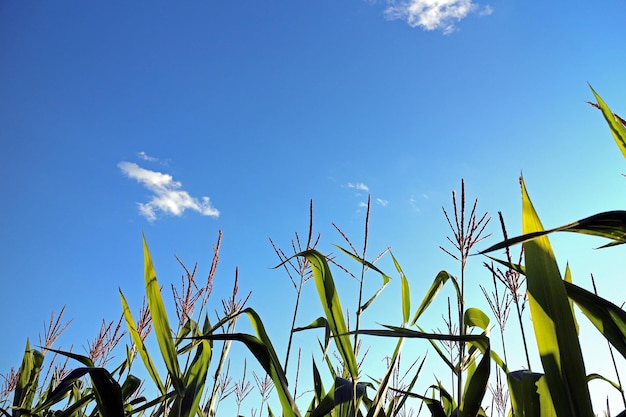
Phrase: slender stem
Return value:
(293, 321)
(362, 280)
(521, 326)
(619, 382)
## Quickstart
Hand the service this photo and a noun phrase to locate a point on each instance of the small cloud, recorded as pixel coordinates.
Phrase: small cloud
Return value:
(146, 157)
(167, 196)
(362, 204)
(382, 202)
(485, 11)
(433, 14)
(413, 203)
(358, 186)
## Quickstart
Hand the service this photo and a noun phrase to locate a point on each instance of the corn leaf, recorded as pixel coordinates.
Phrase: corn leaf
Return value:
(332, 308)
(195, 377)
(609, 319)
(477, 381)
(609, 224)
(552, 320)
(617, 128)
(384, 385)
(438, 283)
(160, 322)
(141, 347)
(529, 394)
(107, 392)
(28, 377)
(568, 278)
(263, 350)
(406, 293)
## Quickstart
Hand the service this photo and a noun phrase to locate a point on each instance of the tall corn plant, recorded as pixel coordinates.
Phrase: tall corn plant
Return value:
(562, 389)
(181, 391)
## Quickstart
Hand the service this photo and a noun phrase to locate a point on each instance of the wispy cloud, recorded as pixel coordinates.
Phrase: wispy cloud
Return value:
(433, 14)
(167, 195)
(382, 202)
(146, 157)
(358, 186)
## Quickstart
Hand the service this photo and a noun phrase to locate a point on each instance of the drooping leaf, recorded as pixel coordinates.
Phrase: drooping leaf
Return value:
(107, 392)
(438, 283)
(552, 320)
(609, 224)
(609, 319)
(263, 350)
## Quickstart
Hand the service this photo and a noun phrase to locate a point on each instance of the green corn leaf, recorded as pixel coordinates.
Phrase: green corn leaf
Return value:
(609, 319)
(107, 392)
(617, 128)
(552, 320)
(318, 384)
(609, 224)
(28, 378)
(80, 358)
(73, 409)
(195, 377)
(529, 394)
(24, 379)
(406, 293)
(332, 308)
(406, 300)
(405, 394)
(592, 377)
(130, 386)
(438, 283)
(141, 347)
(386, 278)
(477, 381)
(568, 278)
(475, 317)
(383, 386)
(160, 322)
(326, 405)
(262, 349)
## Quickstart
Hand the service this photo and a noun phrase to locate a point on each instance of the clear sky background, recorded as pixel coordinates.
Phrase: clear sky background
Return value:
(182, 119)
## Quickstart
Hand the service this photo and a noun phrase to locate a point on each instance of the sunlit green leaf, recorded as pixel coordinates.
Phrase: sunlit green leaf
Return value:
(160, 322)
(438, 283)
(332, 308)
(552, 320)
(609, 319)
(141, 347)
(617, 128)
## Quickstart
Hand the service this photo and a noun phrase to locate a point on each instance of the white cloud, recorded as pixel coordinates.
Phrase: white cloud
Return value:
(382, 202)
(433, 14)
(146, 157)
(358, 186)
(167, 196)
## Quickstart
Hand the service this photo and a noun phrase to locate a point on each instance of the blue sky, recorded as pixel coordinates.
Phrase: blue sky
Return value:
(180, 120)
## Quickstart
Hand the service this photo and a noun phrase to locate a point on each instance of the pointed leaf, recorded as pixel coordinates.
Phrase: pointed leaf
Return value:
(332, 308)
(160, 322)
(438, 283)
(141, 347)
(617, 128)
(609, 319)
(552, 320)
